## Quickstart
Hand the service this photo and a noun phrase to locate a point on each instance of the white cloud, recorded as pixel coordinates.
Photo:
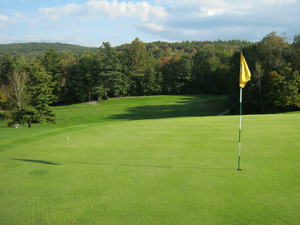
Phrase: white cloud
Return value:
(31, 25)
(224, 19)
(204, 11)
(18, 17)
(55, 13)
(3, 20)
(217, 7)
(154, 27)
(277, 2)
(103, 8)
(222, 3)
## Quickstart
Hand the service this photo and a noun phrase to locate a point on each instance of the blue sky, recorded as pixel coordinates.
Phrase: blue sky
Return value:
(90, 22)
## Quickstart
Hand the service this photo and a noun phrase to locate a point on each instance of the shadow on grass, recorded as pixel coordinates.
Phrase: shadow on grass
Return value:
(152, 166)
(124, 165)
(188, 106)
(36, 161)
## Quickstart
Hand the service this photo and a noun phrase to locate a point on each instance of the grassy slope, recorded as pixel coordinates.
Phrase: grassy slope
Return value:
(79, 116)
(162, 171)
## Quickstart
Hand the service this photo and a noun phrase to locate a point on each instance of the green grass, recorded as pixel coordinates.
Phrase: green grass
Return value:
(136, 108)
(124, 164)
(115, 110)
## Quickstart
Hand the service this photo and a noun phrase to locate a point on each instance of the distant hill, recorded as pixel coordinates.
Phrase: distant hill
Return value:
(158, 49)
(36, 48)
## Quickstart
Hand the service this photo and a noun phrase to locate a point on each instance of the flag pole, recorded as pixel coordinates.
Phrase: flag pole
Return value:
(245, 76)
(240, 130)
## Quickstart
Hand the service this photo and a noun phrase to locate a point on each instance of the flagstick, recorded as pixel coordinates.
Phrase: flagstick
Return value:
(240, 130)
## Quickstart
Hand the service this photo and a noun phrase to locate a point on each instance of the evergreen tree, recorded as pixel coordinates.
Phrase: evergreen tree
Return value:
(39, 88)
(139, 58)
(139, 64)
(112, 79)
(296, 55)
(151, 82)
(52, 62)
(81, 80)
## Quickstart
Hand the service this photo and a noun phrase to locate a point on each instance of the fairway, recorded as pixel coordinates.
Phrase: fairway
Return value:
(151, 160)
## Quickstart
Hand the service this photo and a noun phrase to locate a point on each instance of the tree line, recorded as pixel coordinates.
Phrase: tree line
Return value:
(33, 49)
(30, 85)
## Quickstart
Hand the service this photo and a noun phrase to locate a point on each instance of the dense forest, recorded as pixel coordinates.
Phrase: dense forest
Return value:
(35, 76)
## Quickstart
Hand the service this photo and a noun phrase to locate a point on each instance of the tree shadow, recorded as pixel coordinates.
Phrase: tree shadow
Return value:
(36, 161)
(188, 106)
(152, 166)
(124, 165)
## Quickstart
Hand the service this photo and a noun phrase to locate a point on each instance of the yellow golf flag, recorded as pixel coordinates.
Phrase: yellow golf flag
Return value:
(245, 74)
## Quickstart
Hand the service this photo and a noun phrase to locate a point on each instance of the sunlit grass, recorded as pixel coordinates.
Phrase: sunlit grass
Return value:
(135, 169)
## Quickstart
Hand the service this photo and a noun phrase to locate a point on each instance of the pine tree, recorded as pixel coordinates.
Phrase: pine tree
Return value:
(139, 64)
(52, 62)
(39, 88)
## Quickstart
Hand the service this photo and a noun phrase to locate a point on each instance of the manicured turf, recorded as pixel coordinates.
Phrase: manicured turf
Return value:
(124, 165)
